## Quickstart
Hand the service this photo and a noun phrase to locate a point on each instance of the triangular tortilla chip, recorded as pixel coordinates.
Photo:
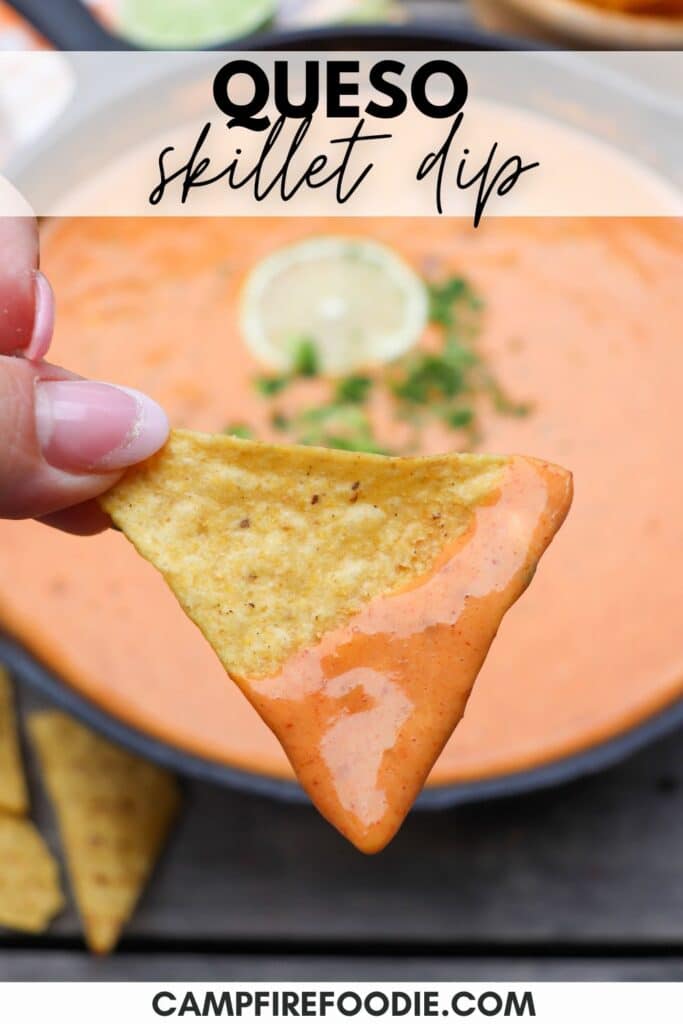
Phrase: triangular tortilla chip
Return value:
(30, 893)
(114, 813)
(352, 597)
(13, 790)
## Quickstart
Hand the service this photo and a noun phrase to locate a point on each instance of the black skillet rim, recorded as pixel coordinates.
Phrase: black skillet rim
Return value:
(25, 668)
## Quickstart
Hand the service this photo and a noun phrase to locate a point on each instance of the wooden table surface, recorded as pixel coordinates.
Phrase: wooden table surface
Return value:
(583, 881)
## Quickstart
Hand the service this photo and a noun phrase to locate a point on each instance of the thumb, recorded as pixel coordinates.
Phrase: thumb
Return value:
(64, 440)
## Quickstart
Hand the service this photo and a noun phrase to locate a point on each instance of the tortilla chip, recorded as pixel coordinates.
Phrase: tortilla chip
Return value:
(30, 893)
(268, 547)
(114, 813)
(13, 789)
(277, 553)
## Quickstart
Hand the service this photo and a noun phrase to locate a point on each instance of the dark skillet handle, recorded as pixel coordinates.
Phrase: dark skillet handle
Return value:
(69, 25)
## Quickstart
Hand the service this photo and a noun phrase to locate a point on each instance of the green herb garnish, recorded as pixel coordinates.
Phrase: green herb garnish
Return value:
(458, 418)
(337, 425)
(446, 296)
(448, 383)
(270, 386)
(341, 419)
(305, 361)
(239, 430)
(279, 421)
(368, 445)
(502, 402)
(355, 388)
(429, 376)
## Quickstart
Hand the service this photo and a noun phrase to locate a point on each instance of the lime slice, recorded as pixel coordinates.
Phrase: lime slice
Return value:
(191, 23)
(356, 301)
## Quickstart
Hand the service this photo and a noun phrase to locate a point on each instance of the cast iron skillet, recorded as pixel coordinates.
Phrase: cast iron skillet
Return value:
(26, 669)
(69, 26)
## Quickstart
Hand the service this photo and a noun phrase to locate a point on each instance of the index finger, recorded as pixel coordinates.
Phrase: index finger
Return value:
(18, 264)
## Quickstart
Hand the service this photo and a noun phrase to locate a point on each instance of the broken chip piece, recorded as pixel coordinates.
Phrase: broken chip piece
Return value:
(352, 597)
(30, 893)
(114, 812)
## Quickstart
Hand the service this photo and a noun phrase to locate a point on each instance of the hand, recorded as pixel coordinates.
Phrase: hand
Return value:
(63, 440)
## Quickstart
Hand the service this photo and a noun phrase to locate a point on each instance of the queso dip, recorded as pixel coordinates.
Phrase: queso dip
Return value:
(582, 319)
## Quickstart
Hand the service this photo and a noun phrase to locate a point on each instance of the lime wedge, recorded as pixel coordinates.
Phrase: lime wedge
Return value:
(356, 301)
(191, 23)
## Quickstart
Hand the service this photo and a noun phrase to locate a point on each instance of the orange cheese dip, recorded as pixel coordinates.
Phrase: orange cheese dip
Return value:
(364, 715)
(582, 319)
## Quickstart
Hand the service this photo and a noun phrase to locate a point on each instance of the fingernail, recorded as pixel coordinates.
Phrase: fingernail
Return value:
(84, 425)
(43, 319)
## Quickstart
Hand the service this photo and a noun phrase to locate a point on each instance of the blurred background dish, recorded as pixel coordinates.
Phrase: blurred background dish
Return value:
(98, 25)
(583, 23)
(177, 24)
(33, 94)
(625, 24)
